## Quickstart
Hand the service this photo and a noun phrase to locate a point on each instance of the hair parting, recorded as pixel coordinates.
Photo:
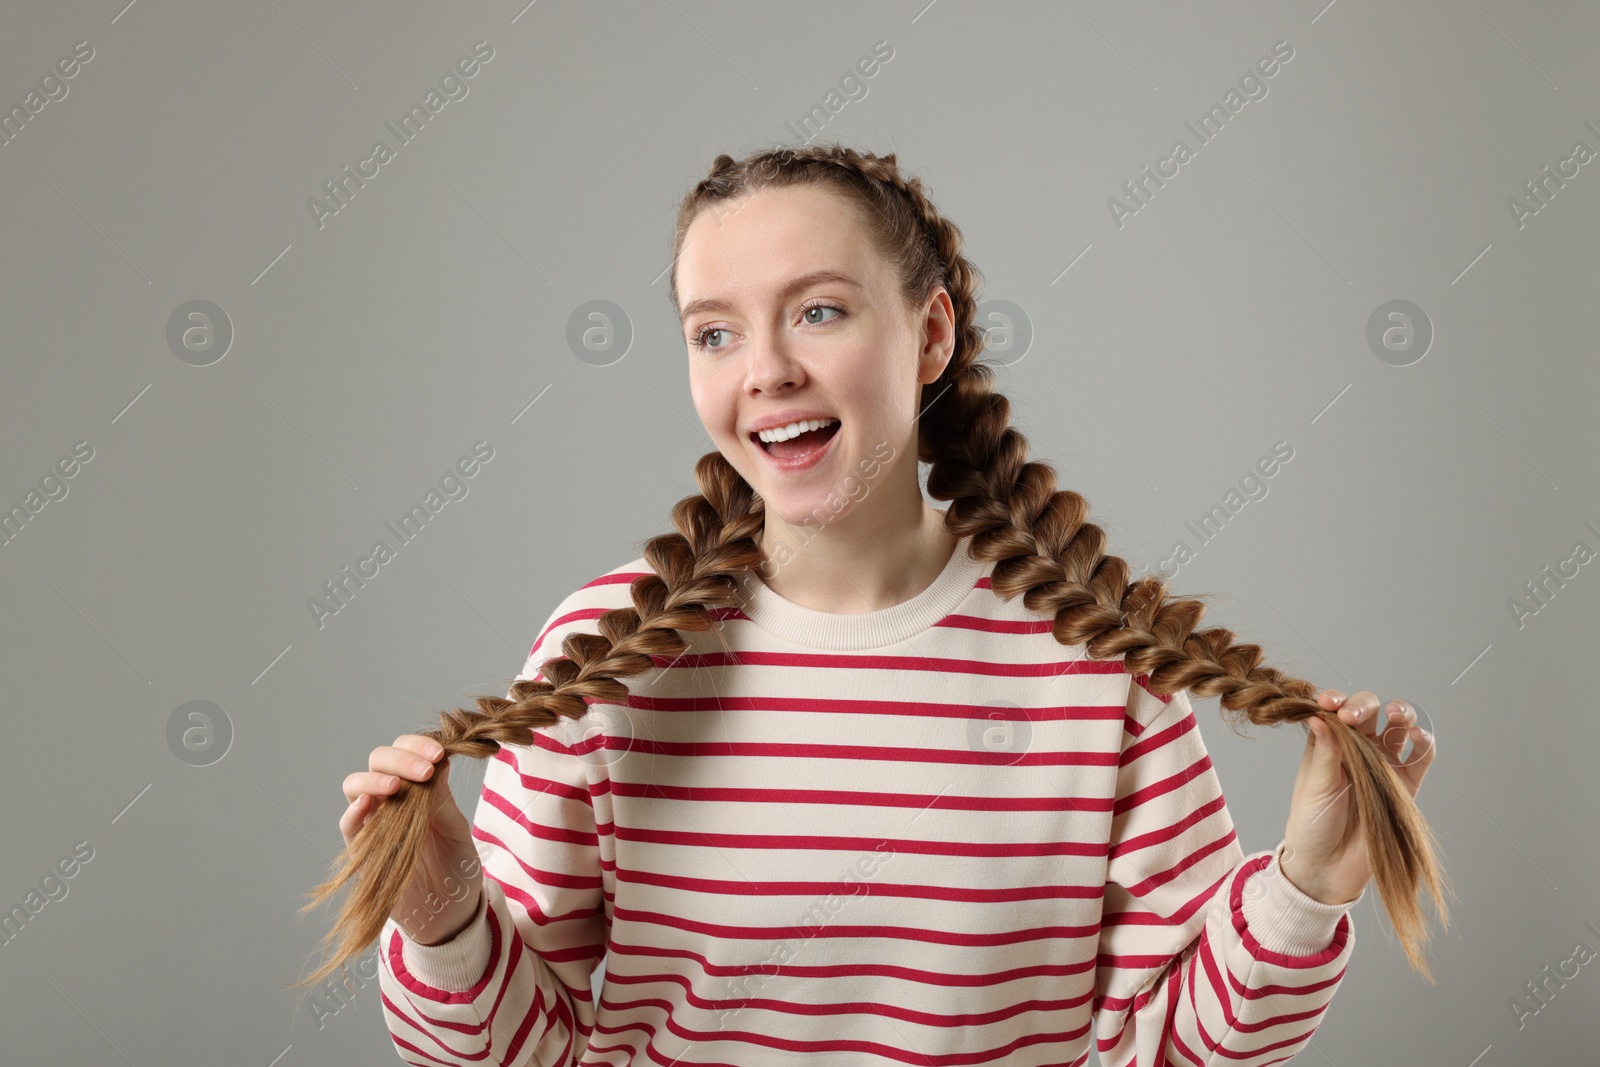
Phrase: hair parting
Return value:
(1039, 538)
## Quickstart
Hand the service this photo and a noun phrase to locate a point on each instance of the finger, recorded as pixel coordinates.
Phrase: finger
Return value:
(1399, 718)
(410, 747)
(1361, 712)
(1416, 767)
(361, 783)
(1322, 763)
(354, 817)
(1330, 699)
(426, 747)
(1321, 778)
(441, 791)
(406, 762)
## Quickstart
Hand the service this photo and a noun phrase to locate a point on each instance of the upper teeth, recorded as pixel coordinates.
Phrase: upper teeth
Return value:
(794, 429)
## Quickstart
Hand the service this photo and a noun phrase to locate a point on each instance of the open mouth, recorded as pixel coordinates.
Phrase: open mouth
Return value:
(797, 448)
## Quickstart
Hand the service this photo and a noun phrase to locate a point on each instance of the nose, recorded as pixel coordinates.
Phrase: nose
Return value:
(772, 369)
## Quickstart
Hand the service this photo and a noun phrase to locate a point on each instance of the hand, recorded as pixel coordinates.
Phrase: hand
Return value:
(1324, 858)
(442, 897)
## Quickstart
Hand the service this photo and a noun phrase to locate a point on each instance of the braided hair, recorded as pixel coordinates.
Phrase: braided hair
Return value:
(1038, 537)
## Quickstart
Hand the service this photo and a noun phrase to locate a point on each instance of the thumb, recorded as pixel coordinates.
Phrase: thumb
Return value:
(442, 794)
(1324, 753)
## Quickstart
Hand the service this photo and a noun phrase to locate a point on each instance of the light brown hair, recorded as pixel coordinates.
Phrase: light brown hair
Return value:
(1038, 537)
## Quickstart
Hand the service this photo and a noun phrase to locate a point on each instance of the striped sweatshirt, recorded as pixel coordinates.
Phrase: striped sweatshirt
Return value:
(929, 834)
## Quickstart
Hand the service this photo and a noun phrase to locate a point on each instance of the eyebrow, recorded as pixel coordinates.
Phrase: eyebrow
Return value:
(804, 281)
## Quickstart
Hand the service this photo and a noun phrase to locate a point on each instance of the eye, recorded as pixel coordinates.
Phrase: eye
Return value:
(819, 307)
(699, 339)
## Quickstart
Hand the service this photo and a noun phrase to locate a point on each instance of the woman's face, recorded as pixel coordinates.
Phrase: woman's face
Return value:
(778, 346)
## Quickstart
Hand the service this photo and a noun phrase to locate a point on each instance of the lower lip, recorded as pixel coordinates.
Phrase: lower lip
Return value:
(800, 463)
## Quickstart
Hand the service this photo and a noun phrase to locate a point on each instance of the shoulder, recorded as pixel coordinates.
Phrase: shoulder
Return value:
(1154, 721)
(580, 610)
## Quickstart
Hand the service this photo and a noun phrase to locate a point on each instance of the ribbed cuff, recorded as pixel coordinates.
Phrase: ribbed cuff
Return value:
(455, 965)
(1282, 918)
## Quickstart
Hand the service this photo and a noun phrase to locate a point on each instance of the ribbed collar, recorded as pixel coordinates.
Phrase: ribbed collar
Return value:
(824, 629)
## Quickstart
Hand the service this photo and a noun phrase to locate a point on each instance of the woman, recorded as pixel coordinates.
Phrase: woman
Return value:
(858, 799)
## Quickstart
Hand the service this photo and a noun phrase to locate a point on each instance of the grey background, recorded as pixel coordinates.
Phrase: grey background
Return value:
(370, 354)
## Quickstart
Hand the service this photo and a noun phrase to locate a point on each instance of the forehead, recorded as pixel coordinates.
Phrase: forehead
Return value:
(742, 251)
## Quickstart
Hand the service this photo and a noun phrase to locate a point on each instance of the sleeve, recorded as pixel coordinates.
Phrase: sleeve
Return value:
(1206, 956)
(513, 987)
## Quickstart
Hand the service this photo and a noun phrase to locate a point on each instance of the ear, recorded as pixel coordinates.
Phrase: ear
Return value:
(938, 333)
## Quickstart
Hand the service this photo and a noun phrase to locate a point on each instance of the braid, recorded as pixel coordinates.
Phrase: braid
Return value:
(1043, 548)
(696, 569)
(1037, 537)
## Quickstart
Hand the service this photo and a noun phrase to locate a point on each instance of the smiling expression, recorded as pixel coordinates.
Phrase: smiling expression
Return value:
(789, 313)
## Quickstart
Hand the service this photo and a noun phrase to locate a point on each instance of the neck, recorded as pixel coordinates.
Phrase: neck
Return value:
(865, 560)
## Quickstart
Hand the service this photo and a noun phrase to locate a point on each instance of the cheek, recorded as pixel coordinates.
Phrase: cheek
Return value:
(705, 405)
(715, 413)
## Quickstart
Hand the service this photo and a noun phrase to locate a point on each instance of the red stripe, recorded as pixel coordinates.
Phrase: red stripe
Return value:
(878, 888)
(1180, 917)
(571, 616)
(869, 753)
(1156, 790)
(857, 798)
(1159, 740)
(704, 1038)
(1167, 833)
(1157, 880)
(533, 829)
(1174, 998)
(1341, 931)
(935, 664)
(413, 986)
(537, 875)
(834, 928)
(1220, 987)
(857, 706)
(628, 951)
(855, 1004)
(811, 841)
(998, 626)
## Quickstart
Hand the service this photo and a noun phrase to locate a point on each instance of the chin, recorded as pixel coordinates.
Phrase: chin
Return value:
(814, 511)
